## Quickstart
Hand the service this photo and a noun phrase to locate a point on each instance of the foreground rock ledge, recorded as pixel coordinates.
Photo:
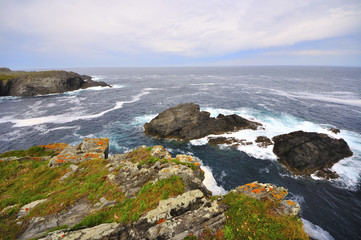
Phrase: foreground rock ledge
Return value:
(308, 152)
(186, 121)
(27, 84)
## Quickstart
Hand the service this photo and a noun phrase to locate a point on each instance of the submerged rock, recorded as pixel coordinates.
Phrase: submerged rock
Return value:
(186, 121)
(263, 141)
(306, 152)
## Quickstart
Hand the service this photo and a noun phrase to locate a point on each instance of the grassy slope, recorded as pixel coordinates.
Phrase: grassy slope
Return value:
(22, 182)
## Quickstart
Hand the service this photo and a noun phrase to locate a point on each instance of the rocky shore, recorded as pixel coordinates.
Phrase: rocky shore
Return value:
(26, 84)
(302, 153)
(80, 192)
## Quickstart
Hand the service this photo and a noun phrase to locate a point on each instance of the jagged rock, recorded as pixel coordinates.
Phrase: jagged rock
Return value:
(28, 84)
(229, 141)
(39, 225)
(160, 152)
(269, 191)
(334, 130)
(306, 152)
(26, 208)
(186, 121)
(326, 174)
(90, 148)
(109, 231)
(263, 141)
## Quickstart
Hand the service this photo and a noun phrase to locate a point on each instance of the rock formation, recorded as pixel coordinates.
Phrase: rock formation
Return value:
(308, 152)
(26, 84)
(141, 194)
(186, 121)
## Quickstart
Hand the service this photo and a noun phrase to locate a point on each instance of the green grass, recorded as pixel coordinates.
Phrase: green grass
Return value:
(248, 218)
(130, 209)
(35, 151)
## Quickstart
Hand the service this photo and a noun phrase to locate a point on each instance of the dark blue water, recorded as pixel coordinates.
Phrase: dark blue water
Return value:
(283, 99)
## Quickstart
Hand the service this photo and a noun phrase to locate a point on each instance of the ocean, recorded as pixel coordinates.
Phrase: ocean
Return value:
(283, 99)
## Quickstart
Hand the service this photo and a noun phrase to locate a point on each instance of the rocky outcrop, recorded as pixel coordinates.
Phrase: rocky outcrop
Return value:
(28, 84)
(188, 210)
(186, 121)
(90, 148)
(307, 152)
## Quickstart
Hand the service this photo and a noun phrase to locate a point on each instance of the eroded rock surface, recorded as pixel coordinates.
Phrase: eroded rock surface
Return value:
(306, 152)
(186, 121)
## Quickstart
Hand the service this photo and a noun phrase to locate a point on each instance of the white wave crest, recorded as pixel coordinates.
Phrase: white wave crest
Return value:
(316, 232)
(211, 183)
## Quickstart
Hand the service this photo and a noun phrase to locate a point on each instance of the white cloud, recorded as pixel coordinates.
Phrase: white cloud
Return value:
(185, 27)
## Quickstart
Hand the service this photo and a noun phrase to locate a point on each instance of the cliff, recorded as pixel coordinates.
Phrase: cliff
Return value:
(25, 84)
(59, 191)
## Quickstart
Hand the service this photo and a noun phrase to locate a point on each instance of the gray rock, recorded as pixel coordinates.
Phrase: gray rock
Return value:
(39, 225)
(103, 231)
(24, 210)
(186, 121)
(306, 152)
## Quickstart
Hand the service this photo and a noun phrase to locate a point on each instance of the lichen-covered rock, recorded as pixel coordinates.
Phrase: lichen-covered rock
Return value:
(27, 208)
(90, 148)
(40, 225)
(262, 191)
(103, 231)
(160, 152)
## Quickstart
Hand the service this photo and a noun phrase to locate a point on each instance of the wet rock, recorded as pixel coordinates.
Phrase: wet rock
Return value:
(306, 152)
(263, 142)
(186, 121)
(229, 141)
(326, 174)
(334, 130)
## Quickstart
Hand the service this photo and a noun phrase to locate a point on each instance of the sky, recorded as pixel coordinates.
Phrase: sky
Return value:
(146, 33)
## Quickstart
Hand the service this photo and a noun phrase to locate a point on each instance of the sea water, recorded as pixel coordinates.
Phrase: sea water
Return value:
(283, 99)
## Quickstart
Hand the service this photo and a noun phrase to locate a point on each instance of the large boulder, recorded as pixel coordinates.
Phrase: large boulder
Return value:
(186, 121)
(307, 152)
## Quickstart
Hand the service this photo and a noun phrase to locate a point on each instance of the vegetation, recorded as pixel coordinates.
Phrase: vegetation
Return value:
(25, 181)
(10, 75)
(36, 151)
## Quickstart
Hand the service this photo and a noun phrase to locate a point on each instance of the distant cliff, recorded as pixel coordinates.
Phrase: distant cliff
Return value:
(26, 84)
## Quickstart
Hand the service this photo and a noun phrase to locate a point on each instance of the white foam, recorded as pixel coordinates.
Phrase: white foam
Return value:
(65, 118)
(211, 183)
(315, 231)
(349, 169)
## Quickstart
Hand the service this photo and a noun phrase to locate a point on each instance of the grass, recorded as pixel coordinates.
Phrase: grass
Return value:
(132, 208)
(248, 218)
(35, 151)
(29, 75)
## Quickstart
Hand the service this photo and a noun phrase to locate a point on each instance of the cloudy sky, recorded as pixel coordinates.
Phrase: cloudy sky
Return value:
(93, 33)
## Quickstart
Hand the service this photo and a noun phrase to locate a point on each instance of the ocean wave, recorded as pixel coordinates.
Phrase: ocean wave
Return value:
(65, 118)
(315, 231)
(349, 169)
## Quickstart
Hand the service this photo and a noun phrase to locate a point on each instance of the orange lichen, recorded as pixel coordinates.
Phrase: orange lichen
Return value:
(290, 202)
(162, 220)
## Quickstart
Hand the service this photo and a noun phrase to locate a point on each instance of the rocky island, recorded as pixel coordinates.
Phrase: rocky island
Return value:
(26, 84)
(186, 121)
(59, 191)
